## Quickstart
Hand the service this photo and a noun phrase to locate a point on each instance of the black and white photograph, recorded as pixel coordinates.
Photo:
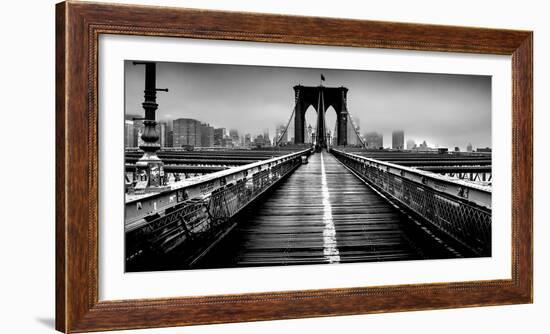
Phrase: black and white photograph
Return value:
(274, 167)
(234, 166)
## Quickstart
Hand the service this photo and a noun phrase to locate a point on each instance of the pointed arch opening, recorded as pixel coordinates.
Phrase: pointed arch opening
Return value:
(310, 124)
(330, 123)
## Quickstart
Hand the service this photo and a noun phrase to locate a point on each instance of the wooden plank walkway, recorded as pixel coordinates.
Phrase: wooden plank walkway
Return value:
(322, 213)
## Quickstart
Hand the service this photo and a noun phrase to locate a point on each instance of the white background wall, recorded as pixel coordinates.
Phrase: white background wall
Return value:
(27, 179)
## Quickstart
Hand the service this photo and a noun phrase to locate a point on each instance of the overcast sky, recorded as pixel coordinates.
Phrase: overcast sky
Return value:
(445, 110)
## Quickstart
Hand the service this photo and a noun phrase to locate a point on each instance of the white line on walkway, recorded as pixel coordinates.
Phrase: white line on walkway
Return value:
(330, 246)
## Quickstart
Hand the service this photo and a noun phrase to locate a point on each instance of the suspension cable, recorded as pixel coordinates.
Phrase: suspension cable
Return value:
(355, 129)
(289, 120)
(286, 128)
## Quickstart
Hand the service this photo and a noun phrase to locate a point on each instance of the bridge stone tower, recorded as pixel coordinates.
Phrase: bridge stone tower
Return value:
(321, 98)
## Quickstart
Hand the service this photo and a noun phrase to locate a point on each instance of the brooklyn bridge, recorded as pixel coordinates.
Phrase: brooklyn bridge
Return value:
(306, 203)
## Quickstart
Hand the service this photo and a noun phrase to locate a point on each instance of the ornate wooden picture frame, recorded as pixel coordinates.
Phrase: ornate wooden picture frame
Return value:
(78, 27)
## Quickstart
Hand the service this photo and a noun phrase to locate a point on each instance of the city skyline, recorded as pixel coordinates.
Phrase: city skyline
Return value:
(186, 132)
(372, 139)
(444, 110)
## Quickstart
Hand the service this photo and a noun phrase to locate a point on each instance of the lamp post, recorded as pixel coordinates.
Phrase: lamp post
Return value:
(149, 168)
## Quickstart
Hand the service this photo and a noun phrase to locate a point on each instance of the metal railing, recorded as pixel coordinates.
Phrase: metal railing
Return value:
(198, 210)
(460, 209)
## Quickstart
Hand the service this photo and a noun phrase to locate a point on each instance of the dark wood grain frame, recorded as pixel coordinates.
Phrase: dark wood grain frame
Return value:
(78, 26)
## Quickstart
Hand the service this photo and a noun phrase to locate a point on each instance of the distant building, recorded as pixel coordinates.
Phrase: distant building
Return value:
(219, 134)
(469, 147)
(410, 144)
(281, 136)
(129, 135)
(267, 141)
(484, 149)
(133, 134)
(309, 135)
(170, 138)
(187, 132)
(259, 141)
(457, 149)
(138, 131)
(374, 140)
(161, 128)
(129, 140)
(247, 140)
(227, 142)
(398, 140)
(425, 148)
(207, 135)
(234, 135)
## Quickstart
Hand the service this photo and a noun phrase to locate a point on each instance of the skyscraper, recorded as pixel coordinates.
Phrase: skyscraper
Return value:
(398, 140)
(469, 147)
(309, 134)
(170, 138)
(374, 140)
(234, 135)
(267, 141)
(259, 141)
(187, 132)
(219, 134)
(129, 140)
(162, 130)
(281, 136)
(207, 135)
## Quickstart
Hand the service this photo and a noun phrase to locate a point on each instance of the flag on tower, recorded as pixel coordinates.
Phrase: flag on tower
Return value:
(322, 77)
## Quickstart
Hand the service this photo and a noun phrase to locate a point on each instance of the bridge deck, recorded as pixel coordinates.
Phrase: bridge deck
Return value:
(322, 213)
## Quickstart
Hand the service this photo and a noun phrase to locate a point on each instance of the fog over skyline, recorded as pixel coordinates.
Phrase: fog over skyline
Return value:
(443, 109)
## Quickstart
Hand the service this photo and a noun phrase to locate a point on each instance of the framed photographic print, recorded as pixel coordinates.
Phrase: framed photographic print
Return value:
(222, 166)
